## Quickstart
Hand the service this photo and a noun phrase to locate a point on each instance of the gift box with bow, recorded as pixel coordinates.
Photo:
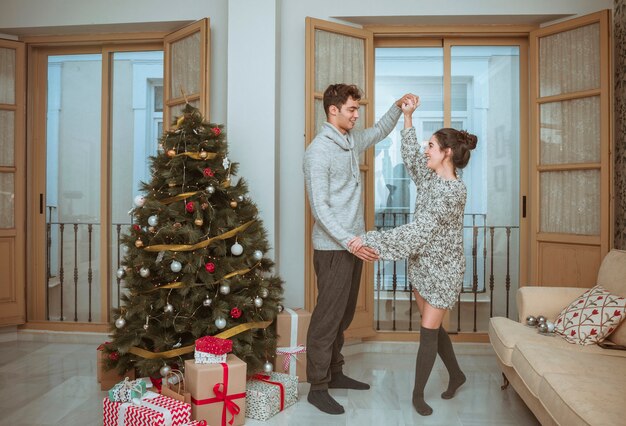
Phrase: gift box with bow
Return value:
(218, 391)
(291, 327)
(212, 350)
(151, 409)
(267, 395)
(127, 390)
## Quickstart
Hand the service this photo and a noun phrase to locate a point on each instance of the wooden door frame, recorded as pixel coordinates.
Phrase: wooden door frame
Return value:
(392, 36)
(605, 240)
(38, 52)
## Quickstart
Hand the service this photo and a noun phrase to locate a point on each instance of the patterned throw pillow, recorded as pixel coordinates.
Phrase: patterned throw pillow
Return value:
(591, 317)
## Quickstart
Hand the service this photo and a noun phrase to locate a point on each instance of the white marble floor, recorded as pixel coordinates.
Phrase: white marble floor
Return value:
(55, 384)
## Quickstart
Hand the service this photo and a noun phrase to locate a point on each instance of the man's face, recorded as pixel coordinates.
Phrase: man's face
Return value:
(345, 118)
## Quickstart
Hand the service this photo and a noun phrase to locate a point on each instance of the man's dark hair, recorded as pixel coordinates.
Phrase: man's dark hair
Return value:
(338, 94)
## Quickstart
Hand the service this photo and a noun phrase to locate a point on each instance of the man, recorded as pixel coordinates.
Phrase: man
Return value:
(333, 184)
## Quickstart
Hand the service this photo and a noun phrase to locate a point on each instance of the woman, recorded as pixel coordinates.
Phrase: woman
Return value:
(433, 242)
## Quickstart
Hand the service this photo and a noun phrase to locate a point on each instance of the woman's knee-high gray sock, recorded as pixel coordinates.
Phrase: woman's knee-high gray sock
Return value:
(426, 355)
(446, 352)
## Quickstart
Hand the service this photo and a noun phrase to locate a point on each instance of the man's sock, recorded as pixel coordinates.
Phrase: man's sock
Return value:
(341, 381)
(323, 401)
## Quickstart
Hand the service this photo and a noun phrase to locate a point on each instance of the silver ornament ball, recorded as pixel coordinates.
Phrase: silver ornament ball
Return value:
(144, 272)
(280, 308)
(168, 308)
(542, 327)
(240, 198)
(176, 266)
(139, 200)
(145, 326)
(125, 248)
(165, 370)
(153, 220)
(120, 322)
(120, 273)
(541, 319)
(263, 292)
(210, 189)
(207, 302)
(224, 289)
(531, 321)
(550, 326)
(220, 323)
(257, 255)
(268, 367)
(236, 249)
(258, 302)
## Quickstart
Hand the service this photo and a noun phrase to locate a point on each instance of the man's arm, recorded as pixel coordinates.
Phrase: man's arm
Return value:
(363, 139)
(317, 182)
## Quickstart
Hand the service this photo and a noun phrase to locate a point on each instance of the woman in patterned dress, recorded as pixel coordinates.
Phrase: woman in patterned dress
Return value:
(433, 243)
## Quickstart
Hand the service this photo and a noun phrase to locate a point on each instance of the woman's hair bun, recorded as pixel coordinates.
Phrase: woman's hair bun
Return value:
(467, 138)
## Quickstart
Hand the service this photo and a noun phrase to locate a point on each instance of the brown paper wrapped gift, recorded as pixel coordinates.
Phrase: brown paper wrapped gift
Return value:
(110, 378)
(291, 327)
(218, 391)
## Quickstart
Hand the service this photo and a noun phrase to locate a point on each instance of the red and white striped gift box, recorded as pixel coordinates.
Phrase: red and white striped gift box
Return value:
(154, 410)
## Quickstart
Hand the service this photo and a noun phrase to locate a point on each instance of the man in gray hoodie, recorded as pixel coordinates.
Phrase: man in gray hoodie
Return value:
(333, 185)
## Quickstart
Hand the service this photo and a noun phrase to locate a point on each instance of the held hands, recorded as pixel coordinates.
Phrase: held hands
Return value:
(411, 103)
(405, 100)
(356, 247)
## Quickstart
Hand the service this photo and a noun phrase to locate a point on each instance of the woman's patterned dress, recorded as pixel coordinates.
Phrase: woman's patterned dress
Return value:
(433, 242)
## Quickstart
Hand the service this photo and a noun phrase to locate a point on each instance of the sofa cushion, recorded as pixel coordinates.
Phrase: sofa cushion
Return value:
(583, 399)
(612, 276)
(591, 317)
(532, 361)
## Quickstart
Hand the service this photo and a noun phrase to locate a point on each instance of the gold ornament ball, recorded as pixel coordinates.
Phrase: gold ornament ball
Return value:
(171, 152)
(152, 229)
(204, 206)
(138, 243)
(171, 184)
(203, 154)
(233, 204)
(198, 222)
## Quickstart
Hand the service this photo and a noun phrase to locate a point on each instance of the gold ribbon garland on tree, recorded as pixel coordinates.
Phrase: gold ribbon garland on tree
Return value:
(144, 353)
(202, 244)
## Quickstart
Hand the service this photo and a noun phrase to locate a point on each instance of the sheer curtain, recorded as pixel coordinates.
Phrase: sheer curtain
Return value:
(570, 131)
(338, 59)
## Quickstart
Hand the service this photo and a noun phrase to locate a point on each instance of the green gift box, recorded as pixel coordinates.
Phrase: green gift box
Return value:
(127, 390)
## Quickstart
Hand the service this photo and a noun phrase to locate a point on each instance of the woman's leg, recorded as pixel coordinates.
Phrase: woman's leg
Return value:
(446, 353)
(426, 354)
(419, 300)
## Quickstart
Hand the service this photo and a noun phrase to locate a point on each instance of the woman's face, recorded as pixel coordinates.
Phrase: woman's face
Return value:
(434, 154)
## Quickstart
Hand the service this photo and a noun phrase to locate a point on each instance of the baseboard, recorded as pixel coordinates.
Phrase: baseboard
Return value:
(358, 347)
(62, 336)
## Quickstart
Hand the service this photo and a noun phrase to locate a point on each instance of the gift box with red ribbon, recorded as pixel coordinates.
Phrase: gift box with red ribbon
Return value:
(212, 350)
(267, 395)
(218, 391)
(291, 327)
(151, 410)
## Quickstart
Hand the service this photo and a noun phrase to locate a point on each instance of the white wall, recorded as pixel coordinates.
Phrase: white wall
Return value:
(244, 33)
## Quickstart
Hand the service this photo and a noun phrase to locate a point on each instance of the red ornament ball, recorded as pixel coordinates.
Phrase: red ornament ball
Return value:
(210, 267)
(114, 356)
(136, 227)
(208, 172)
(235, 312)
(189, 207)
(216, 131)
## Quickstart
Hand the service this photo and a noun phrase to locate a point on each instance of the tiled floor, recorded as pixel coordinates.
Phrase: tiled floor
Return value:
(55, 384)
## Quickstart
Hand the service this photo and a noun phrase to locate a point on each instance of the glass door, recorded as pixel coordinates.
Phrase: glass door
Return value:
(475, 87)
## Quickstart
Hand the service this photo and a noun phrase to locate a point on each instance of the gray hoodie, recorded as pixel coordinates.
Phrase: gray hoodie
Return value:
(333, 180)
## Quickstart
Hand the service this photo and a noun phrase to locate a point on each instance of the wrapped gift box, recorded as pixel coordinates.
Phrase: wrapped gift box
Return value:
(291, 327)
(127, 390)
(152, 410)
(212, 350)
(267, 395)
(218, 391)
(108, 379)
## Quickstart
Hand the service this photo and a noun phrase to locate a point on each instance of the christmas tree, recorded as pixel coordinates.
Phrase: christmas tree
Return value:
(194, 261)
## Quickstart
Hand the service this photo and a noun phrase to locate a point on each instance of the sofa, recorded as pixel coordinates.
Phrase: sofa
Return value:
(564, 383)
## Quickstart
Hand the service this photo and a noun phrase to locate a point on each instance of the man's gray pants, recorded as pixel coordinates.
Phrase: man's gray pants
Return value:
(338, 276)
